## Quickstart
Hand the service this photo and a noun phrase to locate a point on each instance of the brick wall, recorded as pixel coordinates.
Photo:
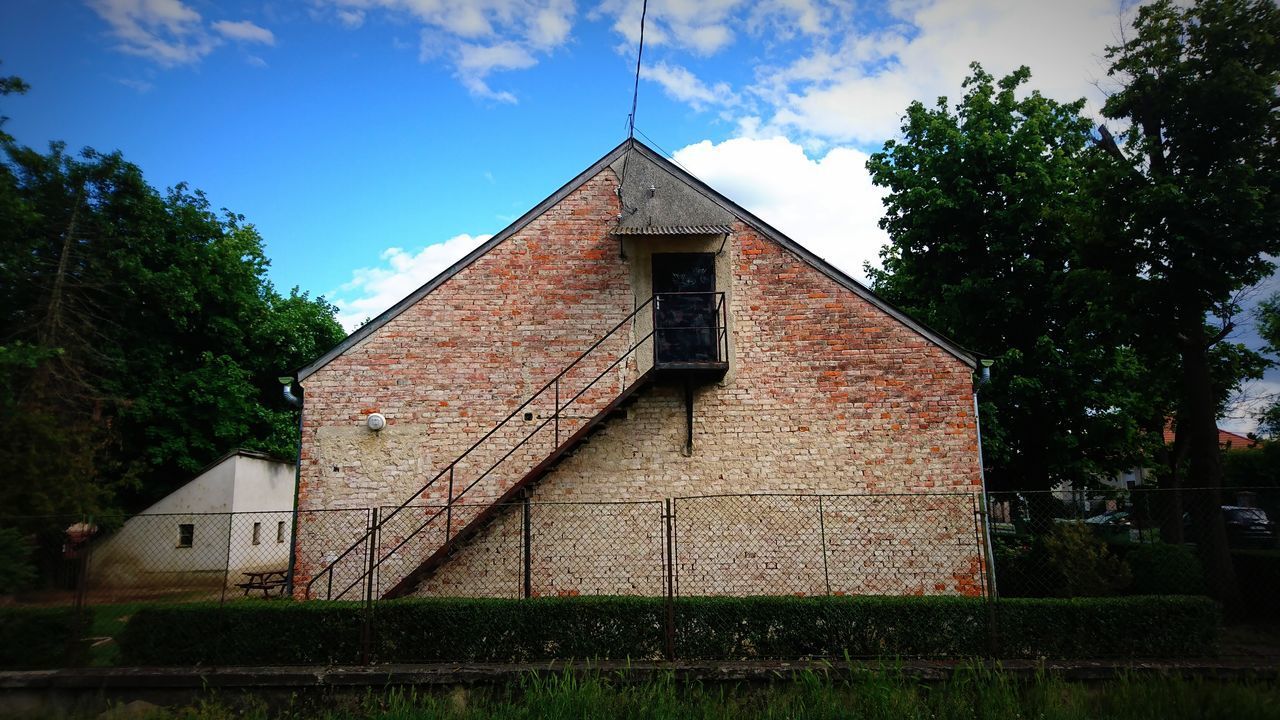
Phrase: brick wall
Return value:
(826, 394)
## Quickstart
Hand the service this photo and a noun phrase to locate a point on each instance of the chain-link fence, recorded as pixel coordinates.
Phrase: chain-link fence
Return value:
(1003, 545)
(1141, 540)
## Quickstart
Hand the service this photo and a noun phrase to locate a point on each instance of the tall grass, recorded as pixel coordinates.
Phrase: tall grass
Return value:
(876, 694)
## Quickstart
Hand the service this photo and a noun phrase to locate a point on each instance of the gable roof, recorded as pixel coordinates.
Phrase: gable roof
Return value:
(1226, 439)
(707, 196)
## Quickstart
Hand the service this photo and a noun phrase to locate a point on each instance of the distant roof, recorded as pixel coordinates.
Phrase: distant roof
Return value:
(699, 206)
(1226, 438)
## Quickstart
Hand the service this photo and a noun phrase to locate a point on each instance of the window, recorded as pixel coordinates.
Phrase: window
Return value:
(257, 533)
(186, 535)
(280, 531)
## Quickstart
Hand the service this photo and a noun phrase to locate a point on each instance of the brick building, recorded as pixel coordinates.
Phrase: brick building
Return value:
(644, 338)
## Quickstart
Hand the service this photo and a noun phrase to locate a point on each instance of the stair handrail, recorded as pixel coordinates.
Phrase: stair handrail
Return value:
(448, 507)
(371, 534)
(373, 529)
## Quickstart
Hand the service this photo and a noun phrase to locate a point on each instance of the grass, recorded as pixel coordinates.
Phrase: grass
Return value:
(108, 622)
(883, 694)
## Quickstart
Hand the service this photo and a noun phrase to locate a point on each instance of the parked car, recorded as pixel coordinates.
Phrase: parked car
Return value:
(1112, 527)
(1248, 527)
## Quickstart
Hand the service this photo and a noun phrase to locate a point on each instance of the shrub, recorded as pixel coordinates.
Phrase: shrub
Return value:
(1163, 569)
(1081, 564)
(17, 572)
(1138, 626)
(41, 637)
(479, 630)
(1259, 575)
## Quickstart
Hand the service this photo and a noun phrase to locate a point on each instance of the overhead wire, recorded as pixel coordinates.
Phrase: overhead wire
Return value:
(635, 98)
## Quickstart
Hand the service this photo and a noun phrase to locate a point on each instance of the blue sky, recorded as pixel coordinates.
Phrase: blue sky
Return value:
(373, 142)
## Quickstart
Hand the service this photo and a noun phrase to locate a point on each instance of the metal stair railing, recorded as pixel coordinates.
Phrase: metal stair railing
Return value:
(369, 540)
(448, 473)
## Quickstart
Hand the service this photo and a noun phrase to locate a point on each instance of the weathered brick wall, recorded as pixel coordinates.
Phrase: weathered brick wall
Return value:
(826, 394)
(451, 366)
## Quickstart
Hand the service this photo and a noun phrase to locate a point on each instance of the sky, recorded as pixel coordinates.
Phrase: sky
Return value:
(375, 142)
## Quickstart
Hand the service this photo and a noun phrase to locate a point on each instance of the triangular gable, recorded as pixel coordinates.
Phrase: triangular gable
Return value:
(707, 198)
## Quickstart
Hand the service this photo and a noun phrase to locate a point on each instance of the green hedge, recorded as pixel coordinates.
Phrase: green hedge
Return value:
(1151, 626)
(1259, 575)
(725, 628)
(473, 630)
(420, 630)
(41, 637)
(1164, 569)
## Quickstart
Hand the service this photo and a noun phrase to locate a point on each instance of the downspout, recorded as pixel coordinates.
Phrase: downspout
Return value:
(985, 378)
(294, 401)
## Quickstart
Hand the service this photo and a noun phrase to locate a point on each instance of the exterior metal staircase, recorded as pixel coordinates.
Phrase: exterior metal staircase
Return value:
(406, 543)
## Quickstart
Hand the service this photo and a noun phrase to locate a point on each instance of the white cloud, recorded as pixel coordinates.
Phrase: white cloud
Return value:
(164, 31)
(475, 63)
(478, 37)
(827, 204)
(684, 86)
(140, 86)
(170, 33)
(350, 18)
(245, 31)
(838, 72)
(706, 27)
(372, 290)
(859, 91)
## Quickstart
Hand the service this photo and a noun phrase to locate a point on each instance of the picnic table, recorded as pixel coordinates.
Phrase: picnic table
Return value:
(265, 580)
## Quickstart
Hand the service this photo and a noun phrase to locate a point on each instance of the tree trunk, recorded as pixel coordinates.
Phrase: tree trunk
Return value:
(1169, 480)
(1198, 419)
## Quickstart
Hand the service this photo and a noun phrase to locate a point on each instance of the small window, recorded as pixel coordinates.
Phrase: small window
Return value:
(280, 531)
(257, 533)
(186, 535)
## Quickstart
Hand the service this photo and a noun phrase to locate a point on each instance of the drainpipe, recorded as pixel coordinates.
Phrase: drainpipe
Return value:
(984, 379)
(294, 401)
(286, 386)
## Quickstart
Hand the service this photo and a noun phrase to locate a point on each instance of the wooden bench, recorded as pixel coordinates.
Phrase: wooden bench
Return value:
(267, 581)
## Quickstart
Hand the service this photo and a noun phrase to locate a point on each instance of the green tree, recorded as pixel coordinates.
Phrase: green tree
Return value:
(142, 338)
(1268, 323)
(1194, 205)
(983, 214)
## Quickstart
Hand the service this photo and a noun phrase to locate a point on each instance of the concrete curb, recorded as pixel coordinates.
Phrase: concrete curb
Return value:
(446, 674)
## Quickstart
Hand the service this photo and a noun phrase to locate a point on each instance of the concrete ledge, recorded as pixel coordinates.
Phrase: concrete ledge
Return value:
(446, 674)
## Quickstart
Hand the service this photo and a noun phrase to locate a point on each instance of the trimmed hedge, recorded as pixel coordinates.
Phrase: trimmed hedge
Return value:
(1259, 574)
(417, 630)
(1164, 569)
(478, 630)
(1151, 626)
(729, 628)
(33, 637)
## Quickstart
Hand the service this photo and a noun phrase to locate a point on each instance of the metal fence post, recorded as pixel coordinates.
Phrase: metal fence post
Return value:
(74, 652)
(670, 624)
(822, 535)
(528, 548)
(366, 630)
(982, 524)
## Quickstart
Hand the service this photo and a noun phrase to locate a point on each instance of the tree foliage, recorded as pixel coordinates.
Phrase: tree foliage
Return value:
(141, 339)
(1192, 205)
(983, 214)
